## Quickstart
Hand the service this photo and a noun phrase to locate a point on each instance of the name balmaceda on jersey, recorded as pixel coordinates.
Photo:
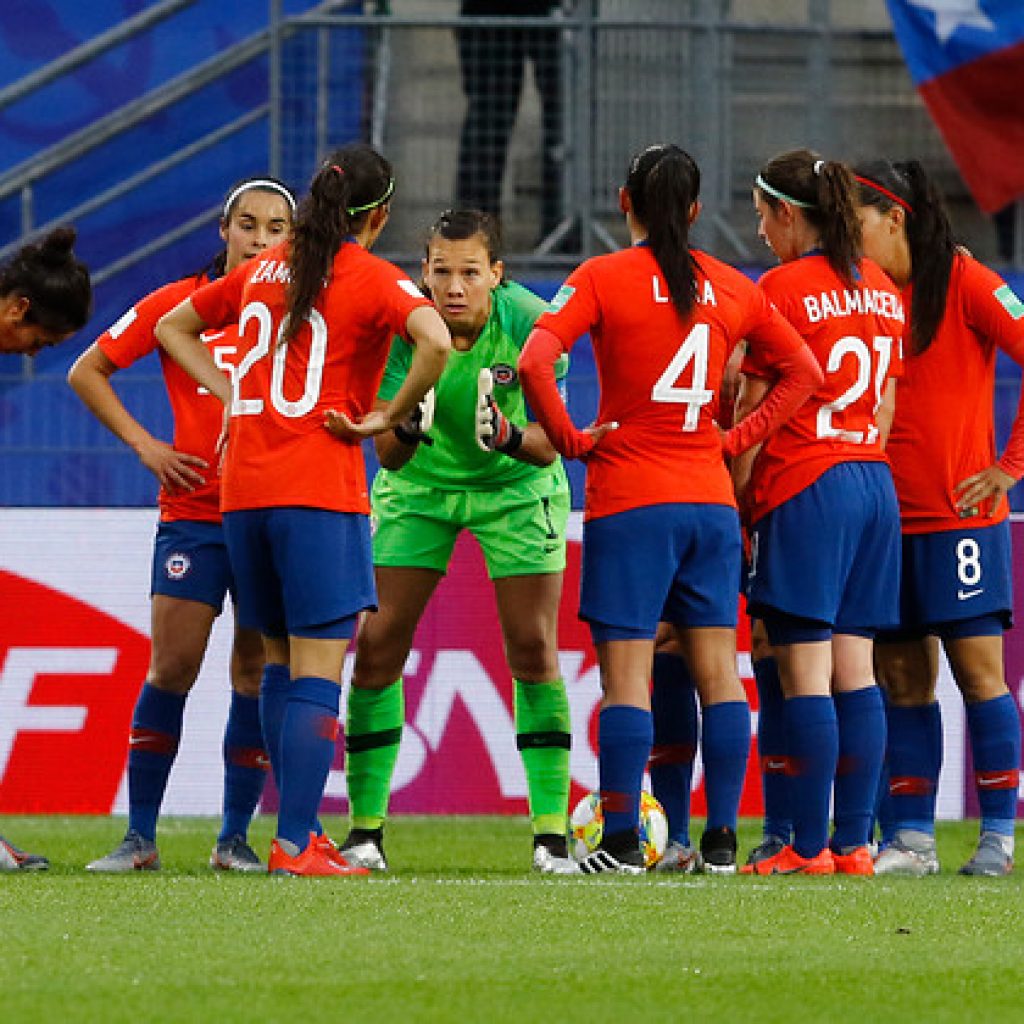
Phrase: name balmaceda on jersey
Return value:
(853, 301)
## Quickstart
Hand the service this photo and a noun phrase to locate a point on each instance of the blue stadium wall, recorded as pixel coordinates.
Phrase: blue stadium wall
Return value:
(52, 453)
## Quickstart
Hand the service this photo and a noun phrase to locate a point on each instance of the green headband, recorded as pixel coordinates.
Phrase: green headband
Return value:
(765, 187)
(352, 210)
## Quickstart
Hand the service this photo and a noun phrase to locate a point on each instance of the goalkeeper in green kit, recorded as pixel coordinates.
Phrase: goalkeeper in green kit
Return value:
(467, 459)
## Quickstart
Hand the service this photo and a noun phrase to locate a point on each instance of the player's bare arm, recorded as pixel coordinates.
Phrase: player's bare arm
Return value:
(90, 377)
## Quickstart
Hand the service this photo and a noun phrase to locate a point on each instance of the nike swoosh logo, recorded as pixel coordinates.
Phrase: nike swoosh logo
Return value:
(963, 595)
(775, 766)
(897, 787)
(998, 780)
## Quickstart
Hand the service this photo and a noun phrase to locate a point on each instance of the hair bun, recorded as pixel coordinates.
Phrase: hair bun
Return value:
(57, 247)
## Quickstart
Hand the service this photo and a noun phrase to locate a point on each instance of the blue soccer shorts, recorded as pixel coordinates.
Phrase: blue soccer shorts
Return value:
(676, 563)
(301, 571)
(190, 562)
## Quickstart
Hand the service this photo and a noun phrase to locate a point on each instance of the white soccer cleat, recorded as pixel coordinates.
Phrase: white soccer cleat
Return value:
(549, 863)
(14, 859)
(993, 858)
(910, 854)
(366, 855)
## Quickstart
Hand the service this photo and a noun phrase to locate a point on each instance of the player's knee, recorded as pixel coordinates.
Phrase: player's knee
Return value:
(533, 657)
(173, 671)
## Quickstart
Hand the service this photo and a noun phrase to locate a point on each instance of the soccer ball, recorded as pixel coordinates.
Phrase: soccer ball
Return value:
(586, 826)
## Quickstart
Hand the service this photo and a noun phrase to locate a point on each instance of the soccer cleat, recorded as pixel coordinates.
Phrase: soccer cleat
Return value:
(317, 860)
(235, 854)
(911, 853)
(718, 851)
(134, 854)
(788, 862)
(628, 862)
(364, 848)
(857, 862)
(768, 847)
(14, 859)
(684, 860)
(551, 856)
(991, 859)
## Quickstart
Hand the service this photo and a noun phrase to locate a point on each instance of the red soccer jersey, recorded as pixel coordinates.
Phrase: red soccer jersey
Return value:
(279, 452)
(197, 414)
(856, 335)
(944, 430)
(660, 376)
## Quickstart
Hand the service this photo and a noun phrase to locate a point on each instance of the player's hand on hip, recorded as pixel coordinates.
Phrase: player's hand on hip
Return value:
(596, 431)
(176, 471)
(495, 432)
(988, 486)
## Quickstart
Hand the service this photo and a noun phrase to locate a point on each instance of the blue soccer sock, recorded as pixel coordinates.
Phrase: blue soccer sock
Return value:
(725, 748)
(812, 738)
(308, 736)
(860, 716)
(914, 748)
(771, 748)
(994, 727)
(624, 737)
(153, 745)
(676, 728)
(274, 689)
(245, 765)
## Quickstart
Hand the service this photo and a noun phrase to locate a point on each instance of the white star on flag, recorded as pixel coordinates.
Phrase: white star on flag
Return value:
(951, 14)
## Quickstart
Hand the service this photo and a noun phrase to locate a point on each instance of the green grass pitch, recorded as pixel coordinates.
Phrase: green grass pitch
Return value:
(460, 930)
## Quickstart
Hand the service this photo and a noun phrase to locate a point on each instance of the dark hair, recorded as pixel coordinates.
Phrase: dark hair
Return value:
(826, 193)
(53, 280)
(254, 183)
(351, 183)
(929, 235)
(663, 182)
(461, 225)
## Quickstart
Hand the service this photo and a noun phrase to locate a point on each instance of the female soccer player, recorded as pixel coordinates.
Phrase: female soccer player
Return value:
(956, 537)
(661, 533)
(483, 467)
(315, 318)
(45, 296)
(822, 511)
(191, 574)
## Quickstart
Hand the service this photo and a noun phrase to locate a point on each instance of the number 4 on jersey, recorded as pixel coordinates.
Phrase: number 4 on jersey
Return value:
(693, 350)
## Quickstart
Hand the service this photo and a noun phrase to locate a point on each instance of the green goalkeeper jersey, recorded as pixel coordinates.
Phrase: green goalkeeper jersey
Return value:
(454, 460)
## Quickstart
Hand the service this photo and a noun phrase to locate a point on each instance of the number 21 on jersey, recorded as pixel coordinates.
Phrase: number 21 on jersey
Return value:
(694, 350)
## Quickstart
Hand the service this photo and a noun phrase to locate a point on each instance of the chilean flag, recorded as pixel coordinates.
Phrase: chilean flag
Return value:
(967, 60)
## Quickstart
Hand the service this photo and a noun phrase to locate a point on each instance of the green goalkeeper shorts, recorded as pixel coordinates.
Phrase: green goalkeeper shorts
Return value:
(520, 526)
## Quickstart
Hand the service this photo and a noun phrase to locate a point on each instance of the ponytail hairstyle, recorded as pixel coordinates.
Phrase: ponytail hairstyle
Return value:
(929, 236)
(350, 184)
(53, 280)
(826, 193)
(255, 183)
(663, 184)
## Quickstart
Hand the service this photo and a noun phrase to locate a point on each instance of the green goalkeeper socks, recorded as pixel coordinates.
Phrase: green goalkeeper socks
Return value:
(373, 731)
(543, 734)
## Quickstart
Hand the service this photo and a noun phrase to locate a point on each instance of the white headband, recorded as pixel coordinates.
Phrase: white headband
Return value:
(261, 183)
(772, 191)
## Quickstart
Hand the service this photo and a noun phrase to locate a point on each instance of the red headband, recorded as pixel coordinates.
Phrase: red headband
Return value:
(335, 167)
(885, 192)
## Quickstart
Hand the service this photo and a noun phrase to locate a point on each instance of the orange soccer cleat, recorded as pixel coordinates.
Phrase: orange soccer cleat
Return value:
(788, 862)
(857, 862)
(320, 858)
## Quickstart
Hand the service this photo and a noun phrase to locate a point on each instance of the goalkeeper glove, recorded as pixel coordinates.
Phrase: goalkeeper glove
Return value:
(495, 432)
(414, 429)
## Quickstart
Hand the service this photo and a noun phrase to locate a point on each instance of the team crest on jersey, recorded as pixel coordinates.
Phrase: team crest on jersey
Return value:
(562, 296)
(177, 565)
(503, 374)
